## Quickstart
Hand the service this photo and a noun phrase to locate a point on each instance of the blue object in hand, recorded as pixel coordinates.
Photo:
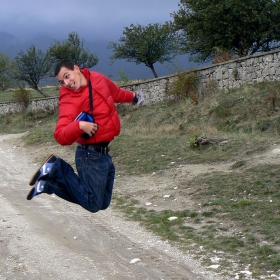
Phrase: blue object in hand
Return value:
(84, 116)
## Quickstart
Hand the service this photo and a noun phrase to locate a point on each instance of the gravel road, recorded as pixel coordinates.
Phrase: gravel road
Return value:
(48, 238)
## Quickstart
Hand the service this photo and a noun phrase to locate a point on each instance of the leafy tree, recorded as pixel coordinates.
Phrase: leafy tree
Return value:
(234, 26)
(145, 44)
(32, 66)
(73, 49)
(6, 66)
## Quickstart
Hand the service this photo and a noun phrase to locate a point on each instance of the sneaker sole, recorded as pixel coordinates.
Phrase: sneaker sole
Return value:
(36, 175)
(30, 194)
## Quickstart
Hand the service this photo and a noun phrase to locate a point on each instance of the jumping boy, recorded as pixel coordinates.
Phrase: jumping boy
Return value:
(93, 186)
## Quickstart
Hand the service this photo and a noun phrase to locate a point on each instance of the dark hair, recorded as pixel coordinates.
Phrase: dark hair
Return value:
(63, 63)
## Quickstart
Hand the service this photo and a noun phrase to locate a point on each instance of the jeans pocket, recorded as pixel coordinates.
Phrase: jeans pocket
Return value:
(93, 155)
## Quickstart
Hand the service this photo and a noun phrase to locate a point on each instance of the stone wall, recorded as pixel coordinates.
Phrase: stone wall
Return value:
(225, 76)
(250, 69)
(43, 104)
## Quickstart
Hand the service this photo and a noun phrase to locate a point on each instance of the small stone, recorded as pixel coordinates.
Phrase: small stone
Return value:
(214, 266)
(135, 260)
(172, 218)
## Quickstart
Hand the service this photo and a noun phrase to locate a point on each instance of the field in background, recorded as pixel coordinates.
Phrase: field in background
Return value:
(8, 95)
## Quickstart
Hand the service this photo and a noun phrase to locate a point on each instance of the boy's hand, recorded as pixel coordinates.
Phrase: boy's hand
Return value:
(88, 127)
(138, 98)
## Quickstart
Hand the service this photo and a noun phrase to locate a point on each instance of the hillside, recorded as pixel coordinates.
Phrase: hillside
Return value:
(204, 177)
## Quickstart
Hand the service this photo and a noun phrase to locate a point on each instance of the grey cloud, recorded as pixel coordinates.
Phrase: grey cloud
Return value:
(107, 17)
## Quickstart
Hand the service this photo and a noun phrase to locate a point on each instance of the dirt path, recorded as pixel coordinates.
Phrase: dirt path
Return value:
(48, 238)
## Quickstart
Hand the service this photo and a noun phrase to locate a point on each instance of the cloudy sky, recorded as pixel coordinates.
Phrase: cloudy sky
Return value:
(96, 18)
(100, 21)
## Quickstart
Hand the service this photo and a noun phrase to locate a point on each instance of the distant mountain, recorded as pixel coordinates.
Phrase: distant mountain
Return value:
(7, 42)
(13, 45)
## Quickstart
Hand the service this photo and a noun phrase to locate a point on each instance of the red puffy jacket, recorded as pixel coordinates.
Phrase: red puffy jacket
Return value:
(71, 103)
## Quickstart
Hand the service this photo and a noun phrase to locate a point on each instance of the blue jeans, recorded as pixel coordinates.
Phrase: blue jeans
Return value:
(93, 186)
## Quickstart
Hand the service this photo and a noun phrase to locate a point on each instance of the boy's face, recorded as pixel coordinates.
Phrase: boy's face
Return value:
(72, 79)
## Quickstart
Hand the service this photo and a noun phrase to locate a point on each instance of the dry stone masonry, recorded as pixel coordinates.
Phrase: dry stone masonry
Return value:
(43, 104)
(225, 76)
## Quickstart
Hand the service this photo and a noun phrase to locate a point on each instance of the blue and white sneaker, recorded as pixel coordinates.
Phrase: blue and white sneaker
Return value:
(38, 188)
(43, 171)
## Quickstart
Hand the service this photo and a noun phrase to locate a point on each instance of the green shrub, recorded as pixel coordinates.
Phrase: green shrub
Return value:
(22, 96)
(185, 86)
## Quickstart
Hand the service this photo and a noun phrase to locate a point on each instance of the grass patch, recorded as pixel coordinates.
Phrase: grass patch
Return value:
(7, 95)
(40, 125)
(250, 228)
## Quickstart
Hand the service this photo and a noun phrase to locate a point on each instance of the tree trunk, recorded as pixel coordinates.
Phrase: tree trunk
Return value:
(41, 92)
(153, 70)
